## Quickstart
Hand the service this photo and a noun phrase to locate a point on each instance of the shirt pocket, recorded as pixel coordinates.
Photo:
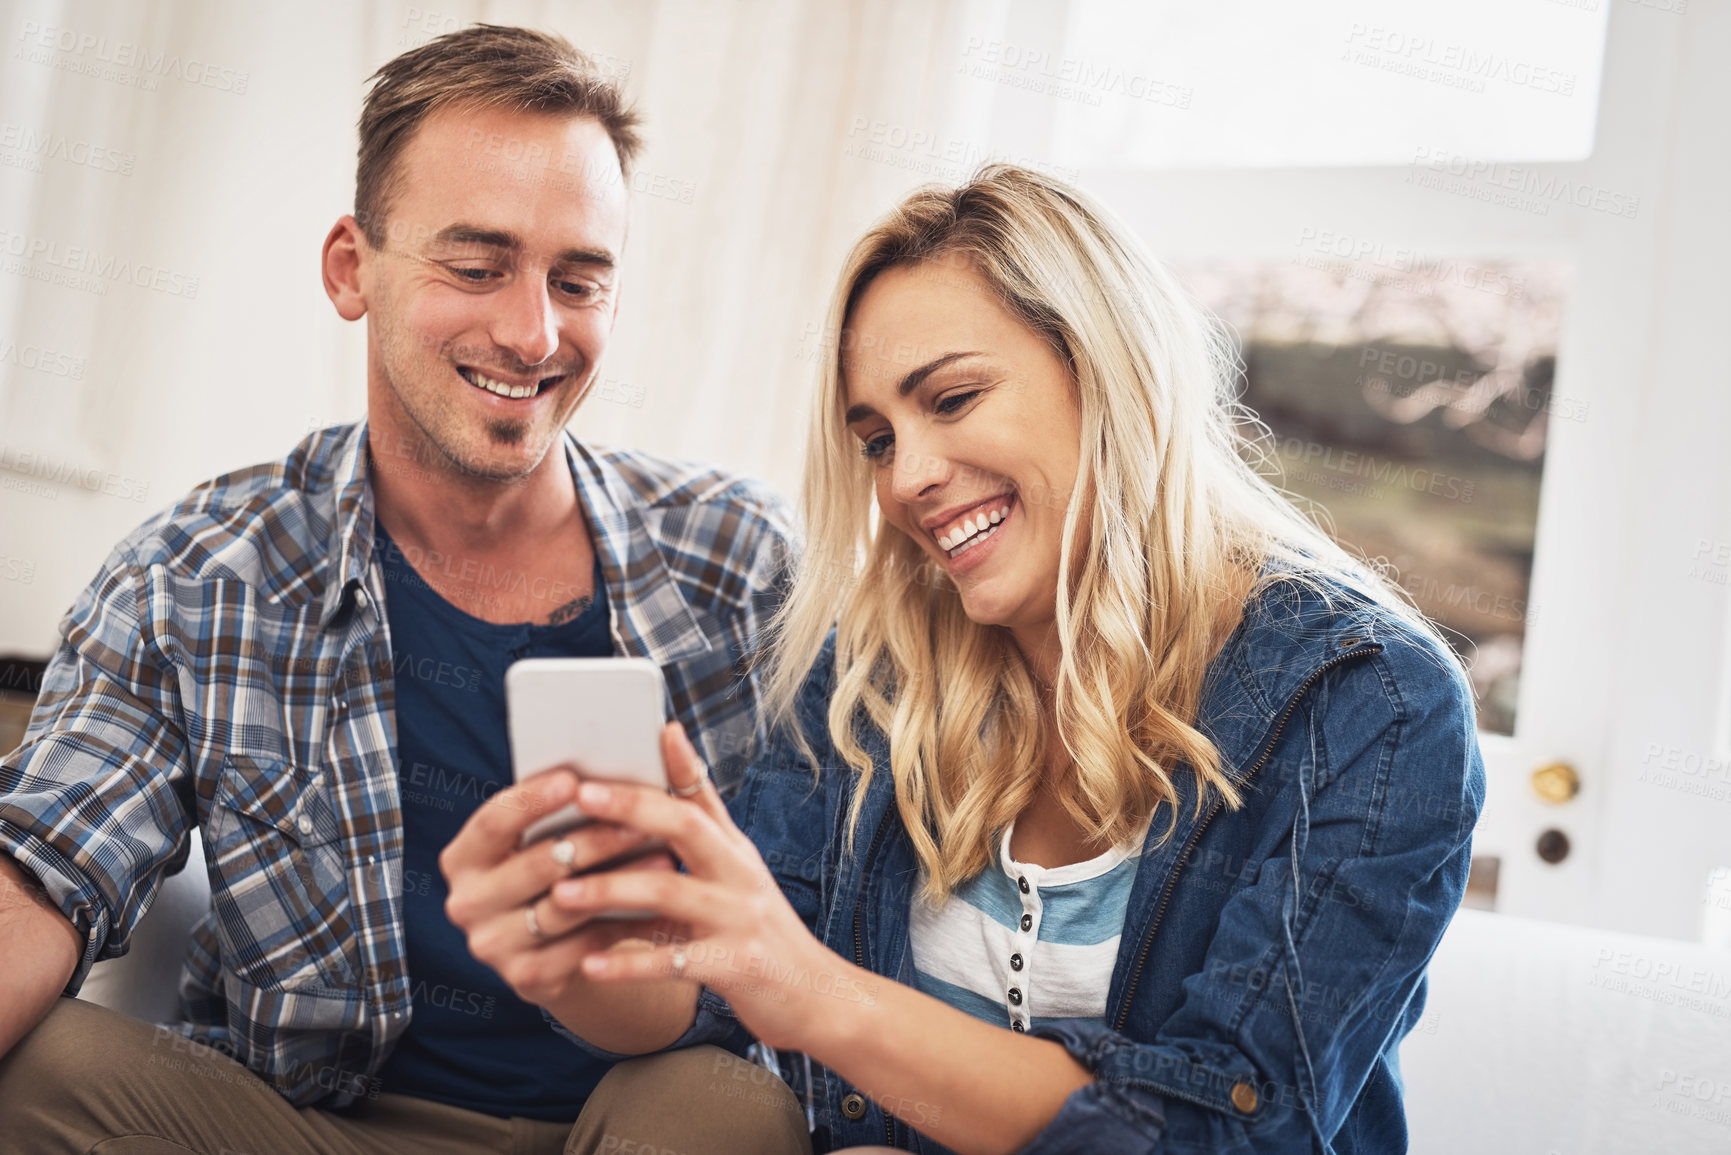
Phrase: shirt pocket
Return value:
(278, 879)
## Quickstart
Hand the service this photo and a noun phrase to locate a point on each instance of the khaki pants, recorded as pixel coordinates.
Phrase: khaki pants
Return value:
(89, 1081)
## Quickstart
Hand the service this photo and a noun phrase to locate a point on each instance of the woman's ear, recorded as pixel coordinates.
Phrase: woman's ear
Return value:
(344, 266)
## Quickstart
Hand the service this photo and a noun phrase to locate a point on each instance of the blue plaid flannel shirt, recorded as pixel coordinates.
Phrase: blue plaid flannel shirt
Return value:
(229, 670)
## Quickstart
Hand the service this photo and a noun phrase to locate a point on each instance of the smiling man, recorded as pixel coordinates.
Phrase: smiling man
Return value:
(303, 662)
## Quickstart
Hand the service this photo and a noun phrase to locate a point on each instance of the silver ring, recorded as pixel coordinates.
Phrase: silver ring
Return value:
(679, 962)
(564, 853)
(696, 787)
(533, 922)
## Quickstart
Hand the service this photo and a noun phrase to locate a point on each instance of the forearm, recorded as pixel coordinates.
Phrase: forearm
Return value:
(634, 1019)
(977, 1088)
(39, 950)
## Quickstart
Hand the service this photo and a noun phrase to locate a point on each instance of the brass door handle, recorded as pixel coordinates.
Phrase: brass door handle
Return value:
(1556, 782)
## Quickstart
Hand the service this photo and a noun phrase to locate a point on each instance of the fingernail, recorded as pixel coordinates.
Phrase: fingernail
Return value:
(595, 965)
(570, 890)
(594, 794)
(559, 790)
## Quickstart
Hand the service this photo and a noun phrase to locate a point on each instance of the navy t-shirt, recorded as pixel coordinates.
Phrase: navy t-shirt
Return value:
(471, 1042)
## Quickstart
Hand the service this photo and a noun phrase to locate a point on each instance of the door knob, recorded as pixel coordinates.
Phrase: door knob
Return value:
(1556, 782)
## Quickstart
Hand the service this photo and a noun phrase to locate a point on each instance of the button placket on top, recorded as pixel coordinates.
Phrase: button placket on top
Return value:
(1018, 989)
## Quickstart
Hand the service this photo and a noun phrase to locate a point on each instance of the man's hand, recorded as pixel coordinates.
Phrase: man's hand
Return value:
(39, 950)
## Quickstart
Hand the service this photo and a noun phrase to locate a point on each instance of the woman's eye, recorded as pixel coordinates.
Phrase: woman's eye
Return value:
(874, 448)
(953, 402)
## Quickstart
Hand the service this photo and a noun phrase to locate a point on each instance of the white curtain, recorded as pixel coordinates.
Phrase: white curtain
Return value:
(169, 170)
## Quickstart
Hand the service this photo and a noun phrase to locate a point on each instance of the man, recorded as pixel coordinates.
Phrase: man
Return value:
(302, 663)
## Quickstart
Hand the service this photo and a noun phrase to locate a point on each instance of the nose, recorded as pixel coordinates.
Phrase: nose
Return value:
(916, 471)
(527, 324)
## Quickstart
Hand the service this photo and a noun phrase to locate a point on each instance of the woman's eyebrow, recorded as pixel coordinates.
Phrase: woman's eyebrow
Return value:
(909, 383)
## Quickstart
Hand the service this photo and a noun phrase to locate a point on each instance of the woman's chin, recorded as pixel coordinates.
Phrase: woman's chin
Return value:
(987, 610)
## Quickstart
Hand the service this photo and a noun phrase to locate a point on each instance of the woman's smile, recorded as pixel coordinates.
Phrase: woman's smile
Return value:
(970, 539)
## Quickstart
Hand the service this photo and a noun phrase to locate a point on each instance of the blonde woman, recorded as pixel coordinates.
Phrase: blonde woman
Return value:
(1116, 808)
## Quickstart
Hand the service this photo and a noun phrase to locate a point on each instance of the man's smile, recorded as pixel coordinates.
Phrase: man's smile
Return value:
(511, 388)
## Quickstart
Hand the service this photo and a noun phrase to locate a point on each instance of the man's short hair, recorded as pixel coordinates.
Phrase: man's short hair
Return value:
(482, 66)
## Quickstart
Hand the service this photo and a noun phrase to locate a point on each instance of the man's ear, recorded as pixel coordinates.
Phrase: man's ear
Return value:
(345, 251)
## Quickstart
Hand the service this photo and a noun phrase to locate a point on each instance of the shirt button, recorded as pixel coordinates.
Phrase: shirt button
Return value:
(1023, 883)
(1244, 1097)
(1015, 962)
(853, 1107)
(1016, 998)
(1017, 1026)
(1027, 922)
(304, 824)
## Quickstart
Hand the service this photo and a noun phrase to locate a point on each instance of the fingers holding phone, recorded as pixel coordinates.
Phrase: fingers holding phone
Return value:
(497, 884)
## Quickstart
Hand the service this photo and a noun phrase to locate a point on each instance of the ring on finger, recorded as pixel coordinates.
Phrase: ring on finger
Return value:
(679, 962)
(564, 853)
(696, 787)
(533, 923)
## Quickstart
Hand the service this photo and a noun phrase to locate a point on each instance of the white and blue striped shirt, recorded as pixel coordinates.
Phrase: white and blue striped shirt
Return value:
(1024, 944)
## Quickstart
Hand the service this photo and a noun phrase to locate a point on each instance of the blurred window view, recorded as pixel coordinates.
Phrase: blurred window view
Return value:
(1409, 398)
(1270, 83)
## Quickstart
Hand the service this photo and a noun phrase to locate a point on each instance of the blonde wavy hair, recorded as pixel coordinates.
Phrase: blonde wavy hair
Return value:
(1165, 537)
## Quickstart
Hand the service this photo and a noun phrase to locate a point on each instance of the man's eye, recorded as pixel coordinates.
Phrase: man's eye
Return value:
(576, 288)
(874, 448)
(473, 276)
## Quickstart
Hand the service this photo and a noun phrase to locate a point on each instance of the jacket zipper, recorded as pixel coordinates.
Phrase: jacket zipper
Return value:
(1172, 879)
(859, 956)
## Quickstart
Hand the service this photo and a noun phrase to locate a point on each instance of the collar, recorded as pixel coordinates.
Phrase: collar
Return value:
(1290, 635)
(351, 541)
(651, 617)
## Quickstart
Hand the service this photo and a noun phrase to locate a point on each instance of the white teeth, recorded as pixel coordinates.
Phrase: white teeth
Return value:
(971, 542)
(972, 529)
(500, 388)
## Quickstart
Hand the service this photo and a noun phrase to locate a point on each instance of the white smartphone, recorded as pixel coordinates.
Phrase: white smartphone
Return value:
(602, 715)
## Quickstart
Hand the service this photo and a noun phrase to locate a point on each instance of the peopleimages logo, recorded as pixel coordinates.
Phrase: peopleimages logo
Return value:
(61, 472)
(89, 48)
(1527, 187)
(80, 261)
(17, 138)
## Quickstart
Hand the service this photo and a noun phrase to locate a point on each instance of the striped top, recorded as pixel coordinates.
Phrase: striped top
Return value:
(1022, 944)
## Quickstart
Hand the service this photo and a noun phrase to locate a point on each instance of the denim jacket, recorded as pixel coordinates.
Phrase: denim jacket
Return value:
(1272, 956)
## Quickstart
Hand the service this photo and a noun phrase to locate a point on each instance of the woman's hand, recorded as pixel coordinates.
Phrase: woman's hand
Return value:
(743, 939)
(495, 885)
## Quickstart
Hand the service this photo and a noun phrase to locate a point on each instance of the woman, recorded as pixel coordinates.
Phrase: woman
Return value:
(1117, 809)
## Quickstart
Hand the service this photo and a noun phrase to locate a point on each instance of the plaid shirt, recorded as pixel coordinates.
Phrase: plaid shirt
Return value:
(230, 668)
